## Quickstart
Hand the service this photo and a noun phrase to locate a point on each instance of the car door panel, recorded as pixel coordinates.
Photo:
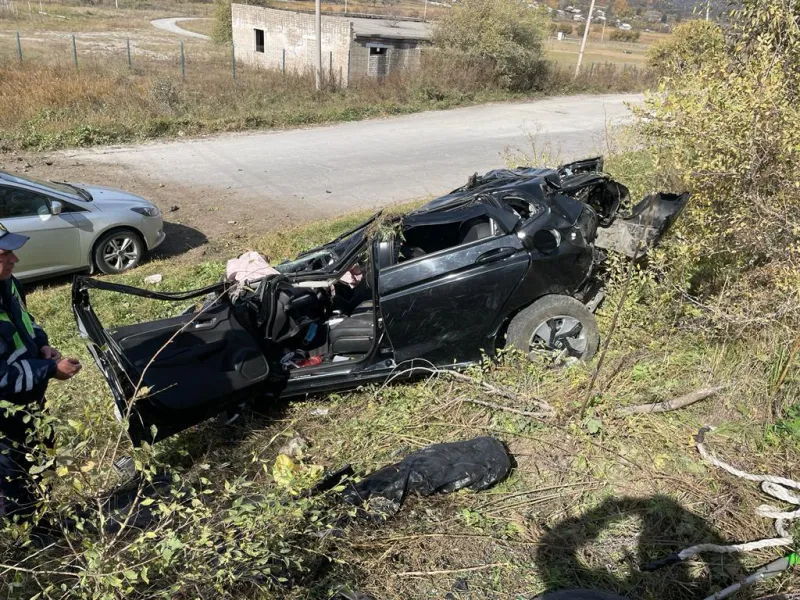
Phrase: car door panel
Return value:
(192, 367)
(445, 307)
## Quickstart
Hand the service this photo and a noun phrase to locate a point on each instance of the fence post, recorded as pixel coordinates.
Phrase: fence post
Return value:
(283, 61)
(183, 61)
(330, 64)
(130, 64)
(74, 52)
(591, 70)
(233, 60)
(19, 47)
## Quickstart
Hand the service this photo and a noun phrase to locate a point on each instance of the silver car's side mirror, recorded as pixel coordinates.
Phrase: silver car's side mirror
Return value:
(56, 207)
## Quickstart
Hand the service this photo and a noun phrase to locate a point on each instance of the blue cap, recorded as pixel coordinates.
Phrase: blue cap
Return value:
(11, 241)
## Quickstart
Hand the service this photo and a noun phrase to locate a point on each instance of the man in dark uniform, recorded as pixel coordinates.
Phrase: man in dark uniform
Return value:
(27, 364)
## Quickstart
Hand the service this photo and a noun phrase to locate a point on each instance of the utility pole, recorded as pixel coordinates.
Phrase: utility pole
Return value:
(318, 71)
(603, 33)
(585, 36)
(708, 6)
(425, 11)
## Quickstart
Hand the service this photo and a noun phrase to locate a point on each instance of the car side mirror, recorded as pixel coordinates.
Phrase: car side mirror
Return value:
(56, 207)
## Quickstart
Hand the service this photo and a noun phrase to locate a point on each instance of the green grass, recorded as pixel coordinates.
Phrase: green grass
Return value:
(587, 503)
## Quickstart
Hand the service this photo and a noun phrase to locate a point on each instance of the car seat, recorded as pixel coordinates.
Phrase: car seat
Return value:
(474, 230)
(355, 334)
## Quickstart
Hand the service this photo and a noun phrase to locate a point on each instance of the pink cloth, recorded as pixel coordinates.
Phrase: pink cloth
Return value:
(353, 277)
(250, 266)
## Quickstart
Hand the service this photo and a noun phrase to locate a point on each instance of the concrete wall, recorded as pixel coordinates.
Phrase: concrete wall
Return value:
(293, 33)
(396, 54)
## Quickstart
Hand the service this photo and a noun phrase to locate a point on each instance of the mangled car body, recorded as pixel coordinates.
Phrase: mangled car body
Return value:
(509, 258)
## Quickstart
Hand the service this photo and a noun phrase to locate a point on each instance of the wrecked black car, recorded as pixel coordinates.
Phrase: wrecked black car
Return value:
(514, 257)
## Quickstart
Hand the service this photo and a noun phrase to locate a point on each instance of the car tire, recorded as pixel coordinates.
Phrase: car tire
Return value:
(117, 251)
(555, 324)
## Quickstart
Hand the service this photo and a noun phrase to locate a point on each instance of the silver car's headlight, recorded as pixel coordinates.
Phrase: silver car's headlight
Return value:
(147, 211)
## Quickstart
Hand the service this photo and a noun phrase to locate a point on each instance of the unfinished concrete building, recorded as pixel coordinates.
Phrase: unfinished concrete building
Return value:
(351, 47)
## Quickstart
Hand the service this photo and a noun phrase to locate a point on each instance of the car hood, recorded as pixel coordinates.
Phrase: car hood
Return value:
(108, 197)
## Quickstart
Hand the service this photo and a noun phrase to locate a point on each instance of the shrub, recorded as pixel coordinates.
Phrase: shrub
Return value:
(727, 127)
(564, 28)
(692, 45)
(506, 35)
(620, 35)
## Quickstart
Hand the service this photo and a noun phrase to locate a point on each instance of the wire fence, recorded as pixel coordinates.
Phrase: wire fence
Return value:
(96, 51)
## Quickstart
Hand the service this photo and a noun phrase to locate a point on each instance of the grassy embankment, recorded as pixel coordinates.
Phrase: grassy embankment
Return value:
(591, 499)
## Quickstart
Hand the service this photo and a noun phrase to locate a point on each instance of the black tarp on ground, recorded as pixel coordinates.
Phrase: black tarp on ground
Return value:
(440, 468)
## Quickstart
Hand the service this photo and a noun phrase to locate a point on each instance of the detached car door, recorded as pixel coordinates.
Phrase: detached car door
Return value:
(54, 246)
(446, 306)
(169, 374)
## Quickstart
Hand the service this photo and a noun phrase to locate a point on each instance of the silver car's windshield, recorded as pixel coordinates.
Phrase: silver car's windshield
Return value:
(63, 188)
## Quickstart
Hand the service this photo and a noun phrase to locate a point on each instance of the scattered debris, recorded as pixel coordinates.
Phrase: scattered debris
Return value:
(320, 412)
(516, 411)
(475, 464)
(174, 208)
(294, 448)
(152, 279)
(668, 405)
(773, 486)
(250, 266)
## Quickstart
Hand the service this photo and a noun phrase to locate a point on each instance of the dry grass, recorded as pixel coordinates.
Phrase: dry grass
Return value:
(45, 107)
(200, 25)
(566, 53)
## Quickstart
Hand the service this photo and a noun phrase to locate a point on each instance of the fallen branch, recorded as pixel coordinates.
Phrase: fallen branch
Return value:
(516, 411)
(668, 405)
(447, 571)
(496, 390)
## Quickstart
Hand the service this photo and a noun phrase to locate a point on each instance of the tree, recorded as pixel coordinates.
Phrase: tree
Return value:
(506, 35)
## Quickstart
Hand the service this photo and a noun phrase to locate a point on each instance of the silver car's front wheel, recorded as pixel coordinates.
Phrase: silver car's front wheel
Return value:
(118, 251)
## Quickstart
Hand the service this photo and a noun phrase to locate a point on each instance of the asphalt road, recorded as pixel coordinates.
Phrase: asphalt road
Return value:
(331, 169)
(171, 25)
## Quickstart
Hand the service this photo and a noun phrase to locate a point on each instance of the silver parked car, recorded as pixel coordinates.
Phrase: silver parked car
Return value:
(75, 227)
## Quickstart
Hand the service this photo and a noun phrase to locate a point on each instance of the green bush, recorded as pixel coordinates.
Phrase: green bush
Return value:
(727, 127)
(506, 35)
(691, 45)
(620, 35)
(564, 28)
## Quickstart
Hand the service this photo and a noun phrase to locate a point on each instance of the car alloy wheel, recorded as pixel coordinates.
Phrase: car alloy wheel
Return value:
(121, 252)
(561, 334)
(555, 324)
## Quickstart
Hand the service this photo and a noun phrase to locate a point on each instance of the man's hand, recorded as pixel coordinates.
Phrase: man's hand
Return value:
(50, 353)
(66, 368)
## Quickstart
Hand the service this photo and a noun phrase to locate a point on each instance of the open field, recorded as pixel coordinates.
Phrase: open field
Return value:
(592, 497)
(201, 25)
(619, 53)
